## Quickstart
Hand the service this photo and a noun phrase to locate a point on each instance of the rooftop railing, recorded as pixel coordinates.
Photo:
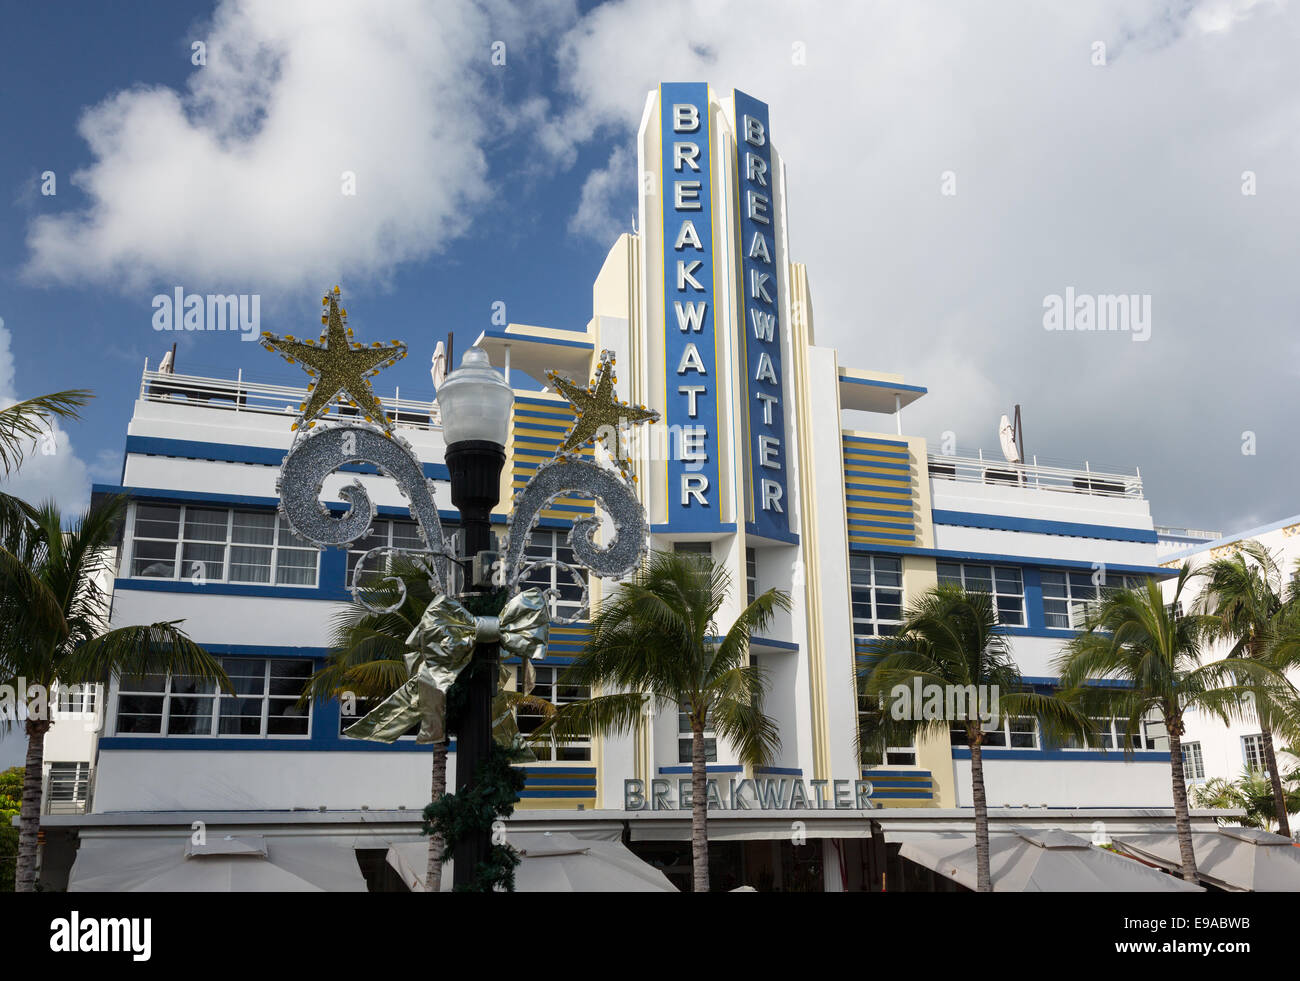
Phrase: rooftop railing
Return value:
(242, 395)
(1196, 534)
(1035, 475)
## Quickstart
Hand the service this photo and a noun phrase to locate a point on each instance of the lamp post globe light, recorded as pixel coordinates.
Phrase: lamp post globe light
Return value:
(475, 404)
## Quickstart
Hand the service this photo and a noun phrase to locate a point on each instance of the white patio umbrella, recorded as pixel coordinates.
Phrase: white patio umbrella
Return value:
(550, 862)
(245, 863)
(1029, 860)
(1235, 859)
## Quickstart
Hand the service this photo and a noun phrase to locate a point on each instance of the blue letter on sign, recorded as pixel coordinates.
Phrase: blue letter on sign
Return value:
(764, 388)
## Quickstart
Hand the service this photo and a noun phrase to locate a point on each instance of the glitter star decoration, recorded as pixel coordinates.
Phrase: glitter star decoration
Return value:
(599, 411)
(340, 367)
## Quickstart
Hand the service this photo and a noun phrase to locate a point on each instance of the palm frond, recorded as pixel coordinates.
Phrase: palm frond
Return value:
(25, 422)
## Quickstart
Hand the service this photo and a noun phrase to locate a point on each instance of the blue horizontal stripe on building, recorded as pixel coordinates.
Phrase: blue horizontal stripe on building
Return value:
(998, 522)
(189, 449)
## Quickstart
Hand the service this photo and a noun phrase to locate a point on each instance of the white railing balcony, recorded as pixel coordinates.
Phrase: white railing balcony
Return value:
(68, 791)
(242, 395)
(1035, 475)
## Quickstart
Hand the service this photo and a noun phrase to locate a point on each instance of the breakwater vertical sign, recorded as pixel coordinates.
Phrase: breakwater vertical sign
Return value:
(690, 327)
(761, 322)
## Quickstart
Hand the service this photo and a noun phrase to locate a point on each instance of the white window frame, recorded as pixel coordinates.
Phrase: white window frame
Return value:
(860, 592)
(751, 574)
(1112, 734)
(554, 576)
(213, 693)
(1004, 727)
(77, 701)
(992, 568)
(1077, 608)
(1193, 761)
(866, 629)
(179, 574)
(686, 739)
(1254, 739)
(389, 525)
(552, 680)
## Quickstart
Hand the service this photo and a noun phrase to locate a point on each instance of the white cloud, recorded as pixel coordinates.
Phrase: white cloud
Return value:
(1123, 178)
(51, 468)
(606, 207)
(238, 179)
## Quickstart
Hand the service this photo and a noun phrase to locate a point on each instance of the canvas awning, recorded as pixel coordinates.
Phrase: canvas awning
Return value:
(551, 862)
(1030, 860)
(1235, 859)
(226, 863)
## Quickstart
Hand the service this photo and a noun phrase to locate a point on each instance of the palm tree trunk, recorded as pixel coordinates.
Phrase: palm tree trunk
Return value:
(433, 880)
(1181, 820)
(1275, 778)
(983, 878)
(699, 807)
(30, 815)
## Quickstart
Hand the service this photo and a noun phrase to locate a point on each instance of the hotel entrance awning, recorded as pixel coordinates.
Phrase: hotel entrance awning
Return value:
(1235, 859)
(242, 863)
(1038, 861)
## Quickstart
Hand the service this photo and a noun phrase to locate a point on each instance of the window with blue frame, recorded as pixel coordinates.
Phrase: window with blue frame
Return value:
(217, 545)
(1003, 583)
(1067, 595)
(264, 703)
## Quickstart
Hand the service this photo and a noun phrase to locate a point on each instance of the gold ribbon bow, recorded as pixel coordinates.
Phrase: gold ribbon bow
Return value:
(444, 642)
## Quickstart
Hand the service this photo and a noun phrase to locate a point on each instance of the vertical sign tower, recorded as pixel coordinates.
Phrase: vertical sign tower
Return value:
(760, 325)
(690, 322)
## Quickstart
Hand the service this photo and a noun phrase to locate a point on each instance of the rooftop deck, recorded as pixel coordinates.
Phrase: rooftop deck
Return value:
(242, 395)
(1036, 474)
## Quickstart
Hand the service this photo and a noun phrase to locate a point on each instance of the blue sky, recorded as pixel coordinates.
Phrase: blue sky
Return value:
(53, 66)
(481, 182)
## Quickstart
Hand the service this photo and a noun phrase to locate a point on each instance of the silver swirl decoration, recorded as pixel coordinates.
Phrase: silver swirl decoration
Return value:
(316, 456)
(569, 475)
(573, 572)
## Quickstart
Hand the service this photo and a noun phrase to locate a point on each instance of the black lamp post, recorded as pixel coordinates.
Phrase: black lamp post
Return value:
(475, 404)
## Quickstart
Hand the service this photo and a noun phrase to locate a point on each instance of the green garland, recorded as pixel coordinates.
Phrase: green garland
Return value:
(496, 786)
(472, 812)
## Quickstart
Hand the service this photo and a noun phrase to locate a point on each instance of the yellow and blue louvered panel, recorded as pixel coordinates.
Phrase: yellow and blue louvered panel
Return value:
(536, 431)
(558, 786)
(879, 491)
(566, 641)
(900, 788)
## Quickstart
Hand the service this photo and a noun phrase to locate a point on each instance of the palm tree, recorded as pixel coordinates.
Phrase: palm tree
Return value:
(1245, 598)
(1154, 650)
(69, 642)
(655, 642)
(1252, 792)
(20, 424)
(951, 637)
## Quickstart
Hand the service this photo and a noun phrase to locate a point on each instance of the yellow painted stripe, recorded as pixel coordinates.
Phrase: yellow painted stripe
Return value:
(879, 519)
(865, 540)
(539, 411)
(873, 458)
(899, 507)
